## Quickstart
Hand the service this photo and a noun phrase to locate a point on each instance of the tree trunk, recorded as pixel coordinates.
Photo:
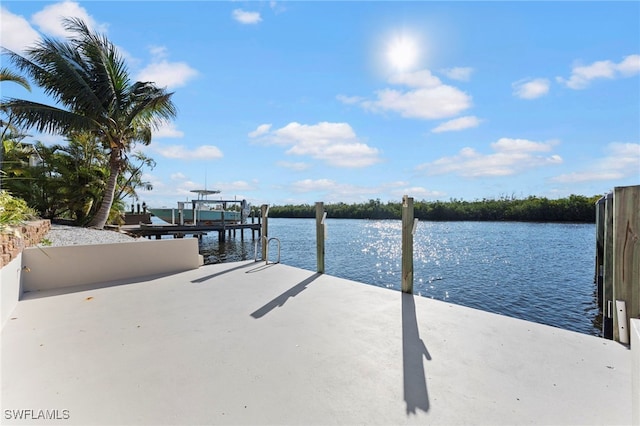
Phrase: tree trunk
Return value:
(101, 217)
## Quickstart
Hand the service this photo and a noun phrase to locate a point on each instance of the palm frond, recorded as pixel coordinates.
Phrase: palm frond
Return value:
(46, 118)
(7, 75)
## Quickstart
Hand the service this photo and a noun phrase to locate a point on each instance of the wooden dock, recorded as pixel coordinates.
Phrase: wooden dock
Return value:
(157, 231)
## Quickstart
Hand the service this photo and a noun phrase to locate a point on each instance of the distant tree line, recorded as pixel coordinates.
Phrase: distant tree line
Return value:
(575, 208)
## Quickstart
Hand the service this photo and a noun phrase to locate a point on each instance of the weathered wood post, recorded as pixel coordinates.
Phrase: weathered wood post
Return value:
(264, 210)
(221, 234)
(626, 259)
(320, 216)
(608, 308)
(407, 244)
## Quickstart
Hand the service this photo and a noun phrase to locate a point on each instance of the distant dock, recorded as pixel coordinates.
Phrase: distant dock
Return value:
(224, 230)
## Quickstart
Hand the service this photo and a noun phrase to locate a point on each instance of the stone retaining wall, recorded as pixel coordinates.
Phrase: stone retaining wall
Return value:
(27, 235)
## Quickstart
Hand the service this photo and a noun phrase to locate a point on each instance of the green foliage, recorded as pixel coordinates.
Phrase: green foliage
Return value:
(13, 211)
(68, 180)
(575, 208)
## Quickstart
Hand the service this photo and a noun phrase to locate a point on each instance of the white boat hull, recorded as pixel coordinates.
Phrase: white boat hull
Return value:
(203, 216)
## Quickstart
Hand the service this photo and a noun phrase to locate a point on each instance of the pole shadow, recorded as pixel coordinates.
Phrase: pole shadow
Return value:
(413, 350)
(217, 274)
(282, 299)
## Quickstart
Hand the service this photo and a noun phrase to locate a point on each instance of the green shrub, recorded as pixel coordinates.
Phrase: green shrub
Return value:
(13, 211)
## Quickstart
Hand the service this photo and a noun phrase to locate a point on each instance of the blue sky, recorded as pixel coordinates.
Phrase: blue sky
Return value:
(297, 102)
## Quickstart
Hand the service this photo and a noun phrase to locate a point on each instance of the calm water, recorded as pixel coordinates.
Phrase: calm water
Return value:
(539, 272)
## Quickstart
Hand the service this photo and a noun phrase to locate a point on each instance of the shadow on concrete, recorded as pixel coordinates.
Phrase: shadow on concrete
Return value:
(261, 267)
(282, 299)
(217, 274)
(30, 295)
(413, 350)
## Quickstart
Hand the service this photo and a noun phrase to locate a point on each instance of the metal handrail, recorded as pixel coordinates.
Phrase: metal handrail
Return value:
(268, 241)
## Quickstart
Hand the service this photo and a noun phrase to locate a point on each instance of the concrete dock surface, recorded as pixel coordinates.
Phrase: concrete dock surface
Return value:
(249, 343)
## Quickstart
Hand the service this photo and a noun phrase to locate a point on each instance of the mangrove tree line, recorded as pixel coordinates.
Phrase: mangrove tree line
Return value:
(575, 208)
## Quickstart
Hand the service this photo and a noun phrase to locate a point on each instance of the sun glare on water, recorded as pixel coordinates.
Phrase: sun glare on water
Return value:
(402, 52)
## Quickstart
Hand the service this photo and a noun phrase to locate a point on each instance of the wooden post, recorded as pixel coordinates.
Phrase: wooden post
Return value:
(320, 236)
(599, 270)
(608, 302)
(626, 254)
(407, 244)
(264, 212)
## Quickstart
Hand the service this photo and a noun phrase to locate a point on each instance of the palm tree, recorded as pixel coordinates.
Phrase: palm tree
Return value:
(87, 77)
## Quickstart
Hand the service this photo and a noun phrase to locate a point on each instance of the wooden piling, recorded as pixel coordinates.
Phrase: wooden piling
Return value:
(320, 236)
(626, 256)
(407, 244)
(618, 260)
(264, 212)
(608, 301)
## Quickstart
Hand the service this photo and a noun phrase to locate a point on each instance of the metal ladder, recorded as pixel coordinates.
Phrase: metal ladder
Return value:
(267, 242)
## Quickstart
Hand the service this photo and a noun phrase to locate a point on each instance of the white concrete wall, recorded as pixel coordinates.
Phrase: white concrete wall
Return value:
(67, 266)
(10, 291)
(635, 371)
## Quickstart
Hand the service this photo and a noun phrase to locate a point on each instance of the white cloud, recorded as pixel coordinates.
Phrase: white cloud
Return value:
(334, 143)
(168, 130)
(15, 32)
(622, 160)
(510, 156)
(297, 167)
(245, 17)
(311, 185)
(332, 191)
(349, 100)
(235, 186)
(531, 89)
(158, 52)
(458, 124)
(416, 192)
(167, 74)
(458, 73)
(277, 7)
(262, 129)
(49, 19)
(203, 152)
(582, 75)
(629, 66)
(428, 98)
(178, 176)
(422, 78)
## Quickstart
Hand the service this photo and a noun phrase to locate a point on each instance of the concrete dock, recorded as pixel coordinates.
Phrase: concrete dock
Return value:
(249, 343)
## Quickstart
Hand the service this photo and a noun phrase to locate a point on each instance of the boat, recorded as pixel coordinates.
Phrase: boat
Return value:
(205, 211)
